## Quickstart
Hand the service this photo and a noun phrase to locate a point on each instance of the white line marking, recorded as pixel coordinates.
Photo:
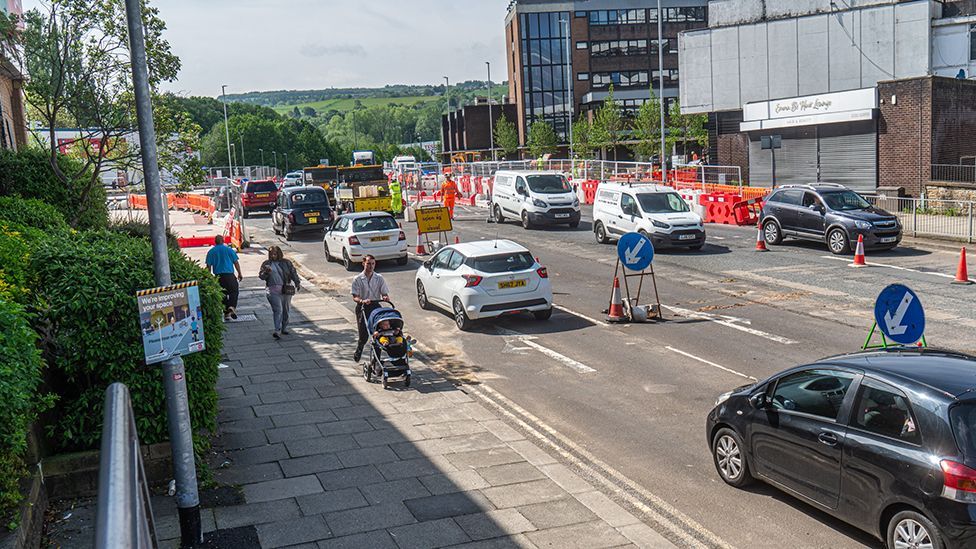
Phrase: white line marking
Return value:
(527, 340)
(897, 267)
(729, 324)
(580, 315)
(703, 361)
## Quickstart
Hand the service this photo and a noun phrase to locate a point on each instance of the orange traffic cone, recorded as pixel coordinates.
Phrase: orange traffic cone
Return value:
(760, 241)
(420, 247)
(457, 239)
(616, 313)
(859, 253)
(962, 273)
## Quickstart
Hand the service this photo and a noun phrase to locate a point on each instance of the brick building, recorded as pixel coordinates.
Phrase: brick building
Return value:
(468, 129)
(13, 126)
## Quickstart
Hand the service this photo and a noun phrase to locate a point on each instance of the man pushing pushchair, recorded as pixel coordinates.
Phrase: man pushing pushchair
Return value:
(389, 348)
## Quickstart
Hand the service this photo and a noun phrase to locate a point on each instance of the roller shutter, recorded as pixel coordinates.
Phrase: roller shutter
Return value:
(850, 159)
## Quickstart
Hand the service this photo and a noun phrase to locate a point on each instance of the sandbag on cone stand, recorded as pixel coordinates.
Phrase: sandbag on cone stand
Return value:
(962, 272)
(859, 253)
(616, 312)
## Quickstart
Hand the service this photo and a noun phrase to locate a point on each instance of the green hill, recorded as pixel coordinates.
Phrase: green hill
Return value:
(345, 105)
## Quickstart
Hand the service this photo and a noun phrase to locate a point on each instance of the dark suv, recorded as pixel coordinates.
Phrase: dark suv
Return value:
(828, 213)
(883, 440)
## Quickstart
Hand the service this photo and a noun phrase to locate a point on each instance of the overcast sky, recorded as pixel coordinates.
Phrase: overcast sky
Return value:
(256, 45)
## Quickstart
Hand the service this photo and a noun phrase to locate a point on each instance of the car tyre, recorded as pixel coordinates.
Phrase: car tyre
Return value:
(497, 214)
(728, 453)
(913, 529)
(401, 261)
(837, 242)
(289, 232)
(543, 315)
(601, 233)
(574, 224)
(772, 233)
(526, 222)
(328, 254)
(461, 317)
(422, 296)
(697, 247)
(347, 262)
(274, 227)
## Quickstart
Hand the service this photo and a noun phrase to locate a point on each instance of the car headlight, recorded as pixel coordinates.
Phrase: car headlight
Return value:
(722, 398)
(862, 225)
(659, 224)
(539, 203)
(576, 203)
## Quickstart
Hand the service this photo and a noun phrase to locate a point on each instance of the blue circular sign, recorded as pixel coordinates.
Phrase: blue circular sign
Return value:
(635, 251)
(899, 314)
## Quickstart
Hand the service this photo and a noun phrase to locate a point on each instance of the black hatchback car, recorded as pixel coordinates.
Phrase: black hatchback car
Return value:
(301, 209)
(883, 440)
(828, 213)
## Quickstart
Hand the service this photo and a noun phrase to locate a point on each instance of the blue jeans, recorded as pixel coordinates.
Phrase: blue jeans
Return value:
(280, 304)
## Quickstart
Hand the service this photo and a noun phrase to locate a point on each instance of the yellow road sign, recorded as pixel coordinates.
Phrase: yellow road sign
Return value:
(434, 220)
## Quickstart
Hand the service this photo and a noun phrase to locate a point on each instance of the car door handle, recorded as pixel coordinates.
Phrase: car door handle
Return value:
(829, 439)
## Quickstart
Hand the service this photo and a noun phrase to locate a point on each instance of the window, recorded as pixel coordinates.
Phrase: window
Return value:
(580, 14)
(582, 76)
(442, 259)
(620, 79)
(670, 46)
(628, 205)
(582, 45)
(502, 263)
(791, 197)
(654, 203)
(369, 224)
(972, 42)
(884, 411)
(815, 392)
(810, 199)
(545, 69)
(845, 200)
(612, 48)
(260, 187)
(617, 17)
(685, 15)
(309, 198)
(455, 262)
(669, 74)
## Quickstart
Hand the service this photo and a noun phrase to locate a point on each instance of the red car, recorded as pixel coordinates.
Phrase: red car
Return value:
(259, 196)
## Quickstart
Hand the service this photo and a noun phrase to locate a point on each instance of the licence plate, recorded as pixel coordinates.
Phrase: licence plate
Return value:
(379, 239)
(888, 239)
(686, 237)
(562, 216)
(512, 284)
(312, 220)
(311, 215)
(264, 195)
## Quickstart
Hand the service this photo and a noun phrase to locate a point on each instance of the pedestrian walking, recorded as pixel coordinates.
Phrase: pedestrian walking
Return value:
(282, 283)
(222, 262)
(367, 288)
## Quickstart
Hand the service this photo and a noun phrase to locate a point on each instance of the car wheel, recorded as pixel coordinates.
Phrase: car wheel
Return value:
(543, 315)
(461, 317)
(838, 242)
(910, 530)
(401, 261)
(347, 262)
(601, 233)
(274, 226)
(497, 214)
(289, 233)
(526, 222)
(696, 247)
(728, 452)
(328, 254)
(771, 233)
(422, 296)
(574, 224)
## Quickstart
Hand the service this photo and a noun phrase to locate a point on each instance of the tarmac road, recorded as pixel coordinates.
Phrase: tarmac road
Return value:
(629, 401)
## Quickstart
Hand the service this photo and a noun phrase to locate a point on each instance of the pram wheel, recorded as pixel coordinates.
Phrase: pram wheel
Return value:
(368, 371)
(406, 381)
(386, 381)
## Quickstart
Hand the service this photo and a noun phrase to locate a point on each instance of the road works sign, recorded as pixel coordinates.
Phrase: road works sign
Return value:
(171, 321)
(635, 251)
(899, 315)
(434, 220)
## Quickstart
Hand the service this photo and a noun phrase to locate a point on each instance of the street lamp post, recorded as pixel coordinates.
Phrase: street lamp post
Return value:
(275, 153)
(447, 88)
(173, 370)
(223, 97)
(286, 162)
(660, 72)
(491, 119)
(569, 93)
(240, 135)
(262, 158)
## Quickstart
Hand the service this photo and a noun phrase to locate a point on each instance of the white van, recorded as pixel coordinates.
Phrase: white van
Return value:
(656, 211)
(534, 198)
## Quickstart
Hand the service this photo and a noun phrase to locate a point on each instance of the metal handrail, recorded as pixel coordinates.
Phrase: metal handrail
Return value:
(124, 517)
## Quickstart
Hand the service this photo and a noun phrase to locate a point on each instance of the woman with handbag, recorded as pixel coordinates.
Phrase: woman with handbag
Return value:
(282, 283)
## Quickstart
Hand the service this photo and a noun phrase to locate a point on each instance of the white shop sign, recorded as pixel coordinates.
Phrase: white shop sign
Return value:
(810, 110)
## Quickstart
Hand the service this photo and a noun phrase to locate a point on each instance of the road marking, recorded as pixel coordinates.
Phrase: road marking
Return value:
(729, 324)
(897, 267)
(527, 340)
(580, 315)
(703, 361)
(778, 282)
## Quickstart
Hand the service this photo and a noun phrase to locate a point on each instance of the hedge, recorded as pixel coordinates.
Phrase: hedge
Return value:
(94, 337)
(140, 229)
(34, 213)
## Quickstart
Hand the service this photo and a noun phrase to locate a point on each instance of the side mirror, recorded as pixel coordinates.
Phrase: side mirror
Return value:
(429, 265)
(759, 401)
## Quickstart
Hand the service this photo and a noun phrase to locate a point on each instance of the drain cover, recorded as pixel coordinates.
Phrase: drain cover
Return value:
(244, 317)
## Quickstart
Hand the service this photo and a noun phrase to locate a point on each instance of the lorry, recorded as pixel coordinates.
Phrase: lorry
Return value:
(322, 176)
(363, 158)
(362, 189)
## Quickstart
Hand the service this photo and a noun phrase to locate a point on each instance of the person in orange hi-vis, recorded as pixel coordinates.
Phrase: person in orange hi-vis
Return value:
(449, 193)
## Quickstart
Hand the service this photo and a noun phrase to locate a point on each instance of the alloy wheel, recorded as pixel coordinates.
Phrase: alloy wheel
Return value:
(837, 241)
(771, 233)
(729, 457)
(910, 534)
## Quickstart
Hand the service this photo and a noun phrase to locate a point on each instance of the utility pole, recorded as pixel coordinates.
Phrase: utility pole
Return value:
(491, 119)
(286, 162)
(223, 97)
(275, 153)
(174, 372)
(447, 88)
(263, 170)
(660, 72)
(569, 94)
(241, 136)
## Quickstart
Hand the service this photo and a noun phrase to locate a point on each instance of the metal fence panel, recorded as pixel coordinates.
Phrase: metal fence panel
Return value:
(925, 217)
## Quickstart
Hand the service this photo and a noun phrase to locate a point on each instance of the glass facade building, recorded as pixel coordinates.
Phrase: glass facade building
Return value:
(545, 95)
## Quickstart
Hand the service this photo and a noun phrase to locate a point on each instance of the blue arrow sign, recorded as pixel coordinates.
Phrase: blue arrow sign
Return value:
(635, 251)
(899, 314)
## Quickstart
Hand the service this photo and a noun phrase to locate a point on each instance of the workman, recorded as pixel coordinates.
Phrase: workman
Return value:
(396, 197)
(449, 193)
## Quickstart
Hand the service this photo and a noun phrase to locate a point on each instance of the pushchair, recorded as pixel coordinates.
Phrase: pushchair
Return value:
(389, 351)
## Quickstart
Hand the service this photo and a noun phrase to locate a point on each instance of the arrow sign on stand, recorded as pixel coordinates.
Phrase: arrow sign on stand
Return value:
(899, 314)
(635, 251)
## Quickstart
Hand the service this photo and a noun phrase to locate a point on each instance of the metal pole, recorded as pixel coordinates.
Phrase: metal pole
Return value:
(569, 96)
(241, 136)
(275, 153)
(660, 80)
(286, 162)
(491, 120)
(174, 373)
(262, 156)
(223, 97)
(447, 88)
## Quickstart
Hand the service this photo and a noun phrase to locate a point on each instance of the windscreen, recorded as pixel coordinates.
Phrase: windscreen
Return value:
(963, 420)
(844, 200)
(369, 224)
(260, 187)
(653, 203)
(362, 174)
(548, 184)
(309, 198)
(502, 263)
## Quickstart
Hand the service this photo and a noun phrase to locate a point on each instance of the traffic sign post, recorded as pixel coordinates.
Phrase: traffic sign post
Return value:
(635, 252)
(899, 317)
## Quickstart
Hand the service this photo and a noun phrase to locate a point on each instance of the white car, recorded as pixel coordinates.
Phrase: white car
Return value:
(653, 210)
(293, 179)
(484, 279)
(355, 235)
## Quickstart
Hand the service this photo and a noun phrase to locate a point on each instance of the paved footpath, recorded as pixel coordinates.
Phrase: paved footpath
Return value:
(325, 459)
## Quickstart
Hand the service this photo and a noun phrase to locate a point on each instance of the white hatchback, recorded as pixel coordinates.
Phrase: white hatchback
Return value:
(355, 235)
(484, 279)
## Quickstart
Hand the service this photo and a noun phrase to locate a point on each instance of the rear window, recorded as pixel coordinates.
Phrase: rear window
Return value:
(963, 420)
(502, 263)
(260, 187)
(369, 224)
(308, 198)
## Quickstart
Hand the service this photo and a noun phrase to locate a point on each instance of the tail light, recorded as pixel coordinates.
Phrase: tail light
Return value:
(471, 280)
(403, 236)
(354, 241)
(248, 195)
(542, 272)
(959, 482)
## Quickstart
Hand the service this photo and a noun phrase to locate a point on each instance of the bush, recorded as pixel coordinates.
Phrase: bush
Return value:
(140, 229)
(34, 213)
(94, 337)
(28, 174)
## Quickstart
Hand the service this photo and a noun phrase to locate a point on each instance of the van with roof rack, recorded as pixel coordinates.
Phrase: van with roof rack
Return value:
(657, 212)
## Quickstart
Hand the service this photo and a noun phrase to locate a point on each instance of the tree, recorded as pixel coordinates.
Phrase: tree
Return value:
(607, 126)
(309, 112)
(685, 128)
(647, 128)
(542, 139)
(295, 113)
(506, 136)
(76, 53)
(582, 137)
